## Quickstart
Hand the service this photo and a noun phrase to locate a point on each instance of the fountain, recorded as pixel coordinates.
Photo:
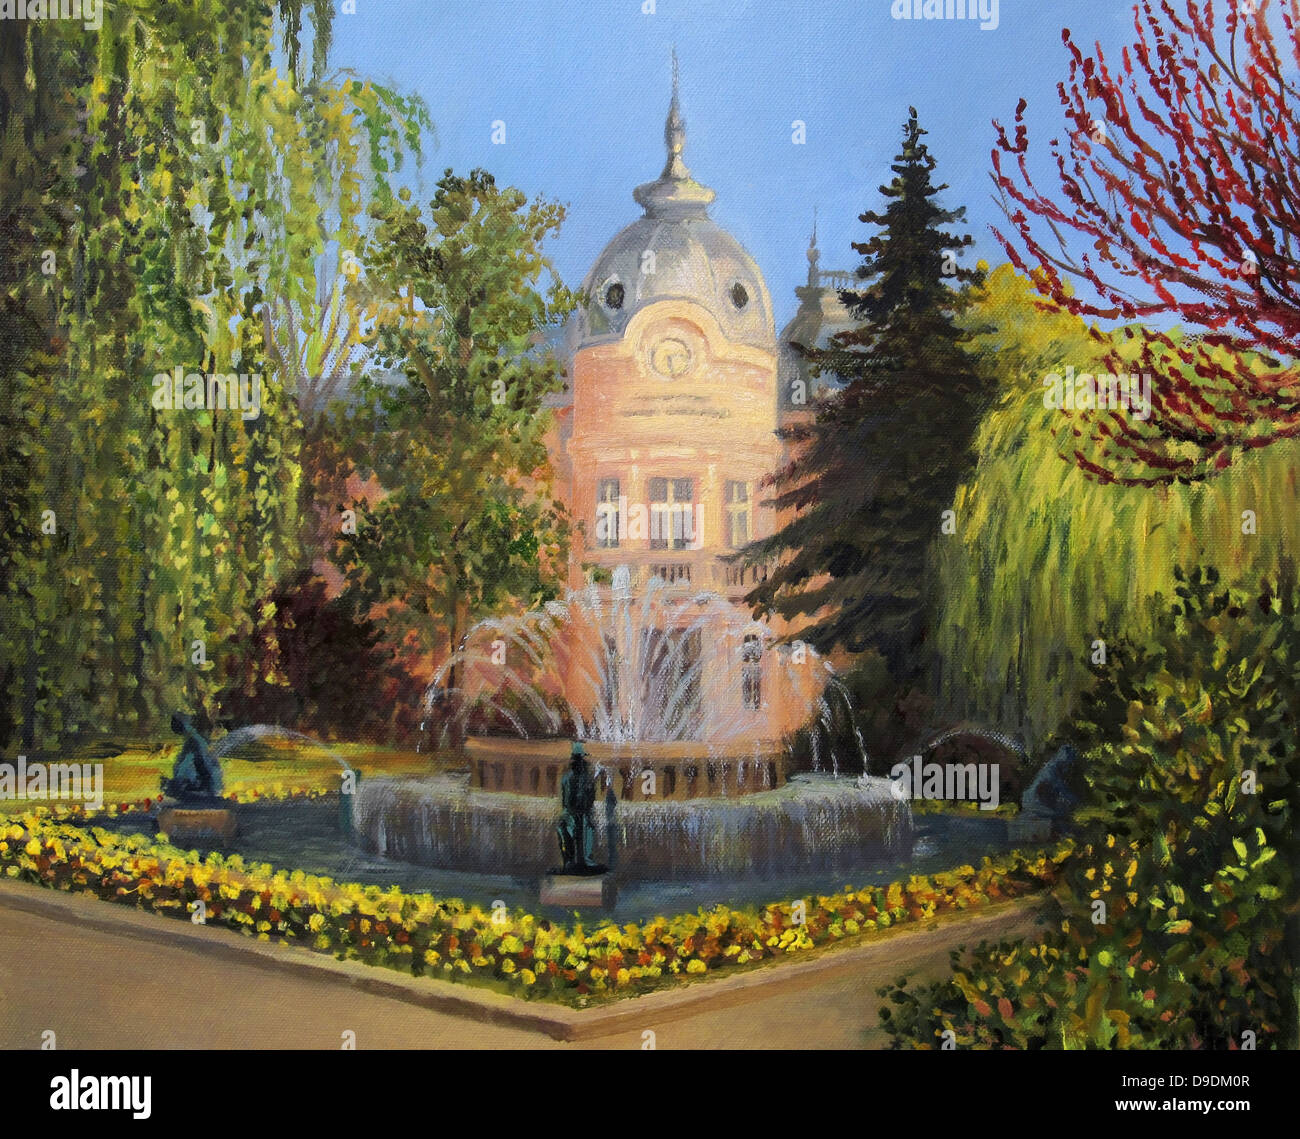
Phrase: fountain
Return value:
(687, 710)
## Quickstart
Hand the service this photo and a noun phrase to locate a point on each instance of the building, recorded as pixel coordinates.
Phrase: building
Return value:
(667, 430)
(821, 315)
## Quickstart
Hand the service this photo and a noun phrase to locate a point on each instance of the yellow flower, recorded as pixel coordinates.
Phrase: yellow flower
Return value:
(507, 966)
(316, 923)
(527, 976)
(695, 965)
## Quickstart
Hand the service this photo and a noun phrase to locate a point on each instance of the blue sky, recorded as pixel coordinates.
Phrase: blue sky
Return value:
(583, 88)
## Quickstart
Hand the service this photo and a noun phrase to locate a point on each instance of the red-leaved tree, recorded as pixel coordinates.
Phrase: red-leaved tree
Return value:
(1178, 199)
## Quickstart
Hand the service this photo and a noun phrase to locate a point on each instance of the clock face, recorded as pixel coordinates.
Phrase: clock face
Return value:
(671, 358)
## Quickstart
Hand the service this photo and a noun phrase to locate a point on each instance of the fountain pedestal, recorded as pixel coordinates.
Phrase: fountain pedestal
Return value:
(588, 891)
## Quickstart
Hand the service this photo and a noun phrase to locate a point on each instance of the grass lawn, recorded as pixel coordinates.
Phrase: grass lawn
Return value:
(134, 772)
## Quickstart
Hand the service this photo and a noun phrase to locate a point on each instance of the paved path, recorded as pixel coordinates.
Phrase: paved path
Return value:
(97, 989)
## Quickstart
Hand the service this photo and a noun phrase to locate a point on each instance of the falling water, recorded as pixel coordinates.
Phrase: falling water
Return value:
(613, 665)
(619, 666)
(813, 823)
(240, 737)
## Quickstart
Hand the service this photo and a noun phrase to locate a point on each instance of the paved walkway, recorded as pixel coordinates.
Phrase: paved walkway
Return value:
(107, 990)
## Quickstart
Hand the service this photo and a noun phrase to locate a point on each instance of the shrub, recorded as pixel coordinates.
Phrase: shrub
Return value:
(1178, 926)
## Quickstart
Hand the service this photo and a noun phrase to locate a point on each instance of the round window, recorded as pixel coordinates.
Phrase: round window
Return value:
(739, 297)
(614, 295)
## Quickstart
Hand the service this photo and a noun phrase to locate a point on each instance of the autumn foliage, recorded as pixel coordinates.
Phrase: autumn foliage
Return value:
(1178, 200)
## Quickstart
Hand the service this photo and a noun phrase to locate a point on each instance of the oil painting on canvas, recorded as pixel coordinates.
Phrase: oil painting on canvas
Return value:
(649, 525)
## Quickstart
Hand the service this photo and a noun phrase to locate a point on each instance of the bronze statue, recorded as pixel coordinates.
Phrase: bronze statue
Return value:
(577, 826)
(196, 776)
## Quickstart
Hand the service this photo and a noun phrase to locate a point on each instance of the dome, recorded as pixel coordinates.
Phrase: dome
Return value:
(676, 252)
(693, 259)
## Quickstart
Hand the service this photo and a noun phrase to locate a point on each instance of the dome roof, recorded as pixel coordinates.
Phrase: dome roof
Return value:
(692, 259)
(676, 252)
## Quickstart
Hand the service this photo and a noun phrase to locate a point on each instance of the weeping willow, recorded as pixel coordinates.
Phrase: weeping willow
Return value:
(1046, 567)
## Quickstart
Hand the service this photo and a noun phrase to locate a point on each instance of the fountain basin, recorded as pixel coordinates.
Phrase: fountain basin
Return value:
(811, 823)
(533, 767)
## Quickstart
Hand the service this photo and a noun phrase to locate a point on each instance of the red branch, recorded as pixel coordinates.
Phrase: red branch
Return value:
(1181, 181)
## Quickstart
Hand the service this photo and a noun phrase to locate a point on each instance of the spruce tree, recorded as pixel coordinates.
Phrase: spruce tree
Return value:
(875, 469)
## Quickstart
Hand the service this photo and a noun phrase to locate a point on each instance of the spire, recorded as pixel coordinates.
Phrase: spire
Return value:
(814, 254)
(675, 192)
(675, 131)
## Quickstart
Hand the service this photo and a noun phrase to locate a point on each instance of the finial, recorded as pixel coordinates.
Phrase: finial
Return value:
(813, 254)
(675, 192)
(675, 130)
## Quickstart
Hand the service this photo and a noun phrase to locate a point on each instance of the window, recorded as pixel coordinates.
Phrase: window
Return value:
(672, 513)
(739, 296)
(751, 673)
(737, 514)
(607, 518)
(614, 296)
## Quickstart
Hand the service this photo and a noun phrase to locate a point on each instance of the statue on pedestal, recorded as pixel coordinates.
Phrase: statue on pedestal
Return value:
(195, 811)
(577, 826)
(1050, 799)
(196, 776)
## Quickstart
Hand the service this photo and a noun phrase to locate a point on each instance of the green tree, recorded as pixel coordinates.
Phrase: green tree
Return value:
(878, 465)
(1047, 562)
(454, 432)
(162, 179)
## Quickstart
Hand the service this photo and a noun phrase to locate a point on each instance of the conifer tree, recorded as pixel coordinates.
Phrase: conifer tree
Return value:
(877, 466)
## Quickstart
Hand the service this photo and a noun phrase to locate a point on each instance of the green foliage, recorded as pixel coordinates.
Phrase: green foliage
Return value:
(170, 200)
(880, 462)
(455, 435)
(1190, 847)
(1044, 561)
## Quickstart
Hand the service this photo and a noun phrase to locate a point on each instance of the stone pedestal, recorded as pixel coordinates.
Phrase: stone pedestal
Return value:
(572, 891)
(206, 826)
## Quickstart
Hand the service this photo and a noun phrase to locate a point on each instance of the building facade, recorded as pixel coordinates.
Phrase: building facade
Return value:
(667, 431)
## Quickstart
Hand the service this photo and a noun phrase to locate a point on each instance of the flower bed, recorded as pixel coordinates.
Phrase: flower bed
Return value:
(247, 793)
(518, 952)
